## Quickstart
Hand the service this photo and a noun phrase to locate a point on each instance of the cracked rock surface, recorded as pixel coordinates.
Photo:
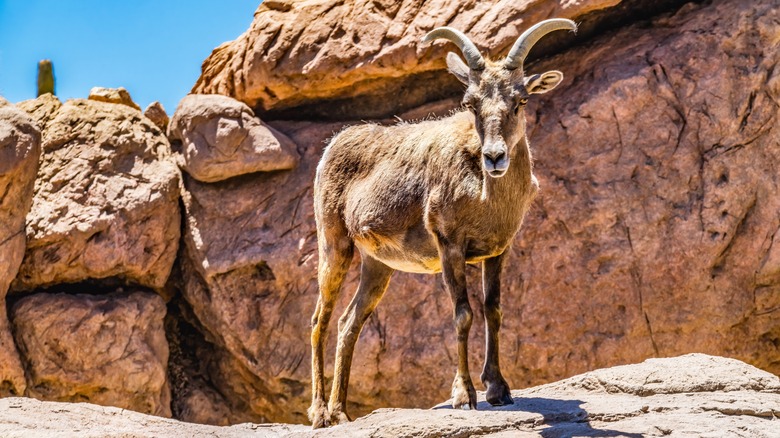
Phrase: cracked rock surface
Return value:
(693, 394)
(221, 138)
(306, 52)
(106, 349)
(20, 148)
(106, 197)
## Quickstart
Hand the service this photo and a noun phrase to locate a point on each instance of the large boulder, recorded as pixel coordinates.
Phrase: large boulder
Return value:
(325, 54)
(20, 148)
(106, 198)
(105, 349)
(653, 234)
(221, 138)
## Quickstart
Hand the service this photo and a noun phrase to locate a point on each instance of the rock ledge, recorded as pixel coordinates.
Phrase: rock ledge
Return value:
(692, 394)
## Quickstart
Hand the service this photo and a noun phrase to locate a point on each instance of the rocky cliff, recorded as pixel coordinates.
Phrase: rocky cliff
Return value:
(176, 274)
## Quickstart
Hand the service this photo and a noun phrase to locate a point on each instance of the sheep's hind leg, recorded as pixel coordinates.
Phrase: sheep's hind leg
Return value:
(374, 278)
(335, 252)
(498, 393)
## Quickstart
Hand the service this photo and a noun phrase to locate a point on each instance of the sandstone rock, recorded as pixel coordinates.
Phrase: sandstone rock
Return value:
(106, 199)
(113, 95)
(26, 417)
(221, 138)
(43, 109)
(298, 53)
(653, 234)
(703, 400)
(198, 397)
(156, 113)
(20, 148)
(561, 409)
(249, 274)
(105, 349)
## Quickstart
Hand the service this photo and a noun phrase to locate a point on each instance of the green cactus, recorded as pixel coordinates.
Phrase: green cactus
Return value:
(45, 77)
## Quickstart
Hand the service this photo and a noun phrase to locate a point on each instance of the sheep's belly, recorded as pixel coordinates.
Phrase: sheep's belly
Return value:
(409, 261)
(421, 267)
(391, 251)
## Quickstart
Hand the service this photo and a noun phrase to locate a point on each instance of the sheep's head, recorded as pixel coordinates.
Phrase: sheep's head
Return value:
(497, 91)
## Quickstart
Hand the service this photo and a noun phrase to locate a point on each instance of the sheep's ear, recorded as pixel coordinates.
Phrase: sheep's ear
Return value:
(540, 84)
(457, 67)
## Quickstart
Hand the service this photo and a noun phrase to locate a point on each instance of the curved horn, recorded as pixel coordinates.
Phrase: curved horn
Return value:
(469, 50)
(523, 45)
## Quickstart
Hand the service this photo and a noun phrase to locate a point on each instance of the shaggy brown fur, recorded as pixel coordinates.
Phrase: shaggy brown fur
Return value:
(427, 197)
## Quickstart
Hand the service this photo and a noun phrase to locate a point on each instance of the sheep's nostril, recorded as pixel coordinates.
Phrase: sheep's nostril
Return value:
(494, 157)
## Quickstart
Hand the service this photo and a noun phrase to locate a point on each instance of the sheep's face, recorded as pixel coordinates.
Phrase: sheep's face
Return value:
(496, 96)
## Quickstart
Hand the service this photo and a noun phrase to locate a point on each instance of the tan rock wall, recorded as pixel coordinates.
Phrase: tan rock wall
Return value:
(20, 148)
(103, 349)
(106, 198)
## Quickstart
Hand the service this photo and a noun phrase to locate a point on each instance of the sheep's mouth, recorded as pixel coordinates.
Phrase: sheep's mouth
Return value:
(497, 173)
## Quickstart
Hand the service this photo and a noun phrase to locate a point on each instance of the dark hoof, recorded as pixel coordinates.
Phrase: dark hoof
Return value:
(499, 395)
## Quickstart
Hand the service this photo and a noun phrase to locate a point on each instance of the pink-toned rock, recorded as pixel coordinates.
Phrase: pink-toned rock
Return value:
(156, 113)
(201, 394)
(105, 349)
(298, 53)
(106, 198)
(653, 234)
(221, 138)
(20, 148)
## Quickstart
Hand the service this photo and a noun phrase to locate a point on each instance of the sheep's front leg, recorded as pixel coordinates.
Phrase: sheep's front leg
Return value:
(498, 393)
(453, 262)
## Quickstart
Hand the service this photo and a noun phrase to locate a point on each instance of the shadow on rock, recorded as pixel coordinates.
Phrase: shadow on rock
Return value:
(563, 418)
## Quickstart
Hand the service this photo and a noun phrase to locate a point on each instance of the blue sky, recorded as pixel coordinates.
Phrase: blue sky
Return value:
(152, 48)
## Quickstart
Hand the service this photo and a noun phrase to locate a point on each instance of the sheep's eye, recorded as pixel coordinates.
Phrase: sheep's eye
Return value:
(520, 103)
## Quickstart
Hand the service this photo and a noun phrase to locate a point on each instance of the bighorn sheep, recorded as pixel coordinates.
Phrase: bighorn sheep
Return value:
(428, 197)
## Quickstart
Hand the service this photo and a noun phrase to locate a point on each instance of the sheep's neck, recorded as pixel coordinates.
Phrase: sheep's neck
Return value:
(518, 176)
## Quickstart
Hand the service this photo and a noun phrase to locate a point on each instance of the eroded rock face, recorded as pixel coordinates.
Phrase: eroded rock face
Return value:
(653, 234)
(303, 52)
(104, 349)
(106, 198)
(221, 138)
(20, 148)
(248, 287)
(113, 95)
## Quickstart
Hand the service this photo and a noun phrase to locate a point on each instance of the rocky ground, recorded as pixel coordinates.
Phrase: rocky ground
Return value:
(692, 395)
